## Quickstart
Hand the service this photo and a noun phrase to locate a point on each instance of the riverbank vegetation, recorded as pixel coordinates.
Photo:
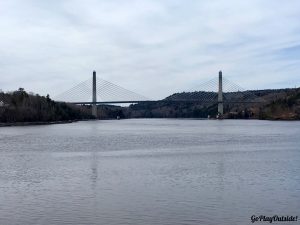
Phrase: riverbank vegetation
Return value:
(20, 106)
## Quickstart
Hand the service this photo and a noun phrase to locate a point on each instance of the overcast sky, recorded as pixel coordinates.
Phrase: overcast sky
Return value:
(153, 47)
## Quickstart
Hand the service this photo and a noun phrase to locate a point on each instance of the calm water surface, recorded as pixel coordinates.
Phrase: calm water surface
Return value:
(149, 172)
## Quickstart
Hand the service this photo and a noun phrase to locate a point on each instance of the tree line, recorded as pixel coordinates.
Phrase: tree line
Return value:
(19, 106)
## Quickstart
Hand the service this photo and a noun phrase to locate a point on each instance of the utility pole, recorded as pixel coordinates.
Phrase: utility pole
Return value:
(220, 96)
(94, 106)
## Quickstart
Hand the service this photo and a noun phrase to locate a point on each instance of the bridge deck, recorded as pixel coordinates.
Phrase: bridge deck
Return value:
(153, 101)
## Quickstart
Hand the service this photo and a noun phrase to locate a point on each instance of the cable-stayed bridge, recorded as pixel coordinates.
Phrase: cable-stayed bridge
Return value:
(95, 91)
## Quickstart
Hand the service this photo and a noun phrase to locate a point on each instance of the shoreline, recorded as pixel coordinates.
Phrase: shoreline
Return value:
(36, 123)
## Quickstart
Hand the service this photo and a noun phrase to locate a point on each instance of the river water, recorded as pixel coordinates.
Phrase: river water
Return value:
(149, 171)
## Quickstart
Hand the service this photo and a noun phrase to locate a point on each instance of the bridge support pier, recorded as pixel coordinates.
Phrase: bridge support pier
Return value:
(220, 96)
(94, 105)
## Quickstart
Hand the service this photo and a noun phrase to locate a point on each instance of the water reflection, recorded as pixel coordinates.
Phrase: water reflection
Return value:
(94, 169)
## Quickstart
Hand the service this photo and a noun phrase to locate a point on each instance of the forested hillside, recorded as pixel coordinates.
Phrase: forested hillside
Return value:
(19, 106)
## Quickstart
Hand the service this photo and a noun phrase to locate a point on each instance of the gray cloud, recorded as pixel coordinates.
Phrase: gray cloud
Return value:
(153, 47)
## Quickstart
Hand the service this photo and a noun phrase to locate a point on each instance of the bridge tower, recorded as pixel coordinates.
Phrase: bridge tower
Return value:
(94, 105)
(220, 95)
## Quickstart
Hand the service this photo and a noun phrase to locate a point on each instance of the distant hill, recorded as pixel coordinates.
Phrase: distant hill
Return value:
(266, 104)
